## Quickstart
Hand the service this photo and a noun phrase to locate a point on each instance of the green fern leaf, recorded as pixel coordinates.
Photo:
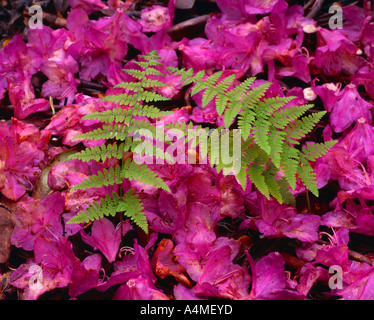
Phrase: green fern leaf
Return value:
(132, 207)
(98, 209)
(308, 176)
(312, 151)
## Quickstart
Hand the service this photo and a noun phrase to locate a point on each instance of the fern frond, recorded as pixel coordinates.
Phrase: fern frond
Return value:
(289, 164)
(125, 115)
(255, 173)
(143, 174)
(98, 209)
(308, 176)
(301, 127)
(103, 178)
(281, 118)
(261, 129)
(132, 207)
(238, 92)
(253, 96)
(276, 143)
(312, 151)
(118, 131)
(231, 112)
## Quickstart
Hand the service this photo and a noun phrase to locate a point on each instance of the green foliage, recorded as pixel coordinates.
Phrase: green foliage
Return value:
(270, 132)
(119, 131)
(271, 128)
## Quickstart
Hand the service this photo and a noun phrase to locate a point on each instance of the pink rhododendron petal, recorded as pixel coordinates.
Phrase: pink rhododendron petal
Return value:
(359, 141)
(361, 289)
(269, 279)
(37, 216)
(19, 161)
(259, 7)
(308, 276)
(88, 5)
(350, 107)
(155, 18)
(199, 54)
(336, 53)
(329, 94)
(139, 289)
(222, 278)
(52, 268)
(181, 292)
(105, 237)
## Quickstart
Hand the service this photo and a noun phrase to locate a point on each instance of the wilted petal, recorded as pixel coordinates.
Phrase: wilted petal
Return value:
(163, 261)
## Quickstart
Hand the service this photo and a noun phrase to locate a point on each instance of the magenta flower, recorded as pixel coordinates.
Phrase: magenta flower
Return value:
(269, 280)
(329, 94)
(22, 97)
(67, 122)
(336, 54)
(15, 62)
(361, 288)
(49, 46)
(85, 275)
(52, 268)
(36, 217)
(261, 7)
(88, 5)
(98, 43)
(221, 277)
(349, 108)
(155, 18)
(359, 141)
(17, 66)
(199, 54)
(279, 220)
(356, 218)
(20, 157)
(105, 237)
(139, 289)
(134, 264)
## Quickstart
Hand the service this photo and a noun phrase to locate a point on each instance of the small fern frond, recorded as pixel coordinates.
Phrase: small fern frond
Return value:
(281, 118)
(255, 173)
(103, 178)
(129, 204)
(133, 171)
(308, 176)
(301, 127)
(313, 151)
(289, 164)
(132, 208)
(238, 92)
(98, 209)
(261, 129)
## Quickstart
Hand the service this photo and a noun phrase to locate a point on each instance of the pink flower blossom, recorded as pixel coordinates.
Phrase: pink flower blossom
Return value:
(105, 237)
(20, 157)
(349, 108)
(38, 217)
(269, 280)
